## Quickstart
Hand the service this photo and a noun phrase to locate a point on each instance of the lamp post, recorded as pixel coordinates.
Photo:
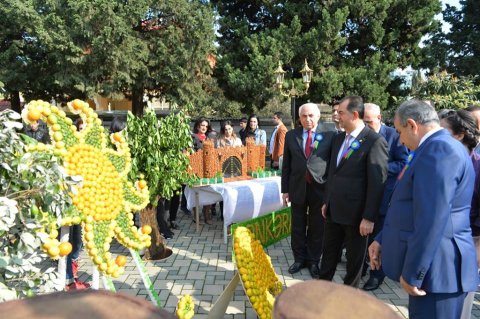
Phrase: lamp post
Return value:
(293, 93)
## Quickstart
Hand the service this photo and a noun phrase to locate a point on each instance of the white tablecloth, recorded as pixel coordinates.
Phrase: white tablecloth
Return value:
(242, 200)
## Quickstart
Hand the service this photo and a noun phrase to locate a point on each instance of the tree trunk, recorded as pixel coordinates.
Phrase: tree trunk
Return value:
(148, 216)
(137, 99)
(15, 101)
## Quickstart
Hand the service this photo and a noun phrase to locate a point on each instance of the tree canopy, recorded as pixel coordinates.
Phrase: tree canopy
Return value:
(458, 49)
(352, 45)
(62, 49)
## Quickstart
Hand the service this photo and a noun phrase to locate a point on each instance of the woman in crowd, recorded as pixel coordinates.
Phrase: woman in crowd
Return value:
(202, 131)
(254, 131)
(227, 136)
(463, 127)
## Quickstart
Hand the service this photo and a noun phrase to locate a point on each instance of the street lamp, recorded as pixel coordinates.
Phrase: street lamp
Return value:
(293, 93)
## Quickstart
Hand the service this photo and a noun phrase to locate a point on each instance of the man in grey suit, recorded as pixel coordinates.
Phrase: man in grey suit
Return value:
(357, 173)
(305, 160)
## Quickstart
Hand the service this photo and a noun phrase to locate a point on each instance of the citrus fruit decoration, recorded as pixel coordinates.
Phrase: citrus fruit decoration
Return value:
(104, 200)
(185, 307)
(256, 272)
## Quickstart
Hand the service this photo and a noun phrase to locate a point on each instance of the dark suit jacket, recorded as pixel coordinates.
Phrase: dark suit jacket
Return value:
(355, 186)
(397, 157)
(295, 164)
(426, 237)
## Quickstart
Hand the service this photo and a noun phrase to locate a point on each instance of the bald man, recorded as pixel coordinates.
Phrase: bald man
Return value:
(397, 157)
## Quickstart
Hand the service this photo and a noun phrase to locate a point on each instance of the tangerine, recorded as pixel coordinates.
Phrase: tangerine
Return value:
(146, 229)
(65, 248)
(34, 115)
(121, 260)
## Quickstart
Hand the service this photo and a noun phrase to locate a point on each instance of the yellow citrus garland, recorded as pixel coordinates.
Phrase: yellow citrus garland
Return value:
(185, 307)
(105, 199)
(256, 271)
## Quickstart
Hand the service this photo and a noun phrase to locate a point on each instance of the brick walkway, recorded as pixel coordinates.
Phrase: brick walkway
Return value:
(201, 265)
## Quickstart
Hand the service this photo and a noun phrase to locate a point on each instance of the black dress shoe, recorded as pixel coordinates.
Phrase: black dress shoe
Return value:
(372, 283)
(168, 235)
(296, 267)
(173, 225)
(314, 271)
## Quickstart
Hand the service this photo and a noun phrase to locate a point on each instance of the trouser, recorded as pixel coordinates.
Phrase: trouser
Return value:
(75, 238)
(307, 229)
(356, 247)
(436, 306)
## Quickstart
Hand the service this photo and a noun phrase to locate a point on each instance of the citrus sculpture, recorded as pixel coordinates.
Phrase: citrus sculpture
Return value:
(104, 200)
(256, 272)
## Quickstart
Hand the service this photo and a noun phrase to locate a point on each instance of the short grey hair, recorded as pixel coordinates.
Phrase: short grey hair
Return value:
(373, 107)
(313, 105)
(419, 111)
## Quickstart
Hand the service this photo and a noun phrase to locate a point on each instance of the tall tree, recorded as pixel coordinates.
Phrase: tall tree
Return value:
(458, 49)
(76, 48)
(352, 45)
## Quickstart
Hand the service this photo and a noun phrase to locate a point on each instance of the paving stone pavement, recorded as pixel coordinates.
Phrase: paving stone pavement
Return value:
(201, 265)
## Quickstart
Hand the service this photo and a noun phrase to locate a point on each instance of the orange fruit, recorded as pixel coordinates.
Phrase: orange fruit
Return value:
(121, 260)
(117, 137)
(65, 248)
(142, 184)
(34, 115)
(77, 104)
(146, 229)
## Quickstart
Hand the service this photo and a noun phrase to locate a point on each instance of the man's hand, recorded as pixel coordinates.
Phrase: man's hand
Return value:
(375, 253)
(411, 290)
(324, 211)
(285, 198)
(366, 227)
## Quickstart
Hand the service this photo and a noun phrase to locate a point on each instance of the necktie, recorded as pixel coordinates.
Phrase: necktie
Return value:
(346, 145)
(345, 149)
(308, 144)
(308, 151)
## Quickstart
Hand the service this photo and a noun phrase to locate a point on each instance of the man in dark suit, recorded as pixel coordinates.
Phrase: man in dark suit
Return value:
(397, 157)
(357, 173)
(305, 161)
(426, 242)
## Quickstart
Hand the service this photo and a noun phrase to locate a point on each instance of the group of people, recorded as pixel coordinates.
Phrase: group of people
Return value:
(249, 128)
(404, 195)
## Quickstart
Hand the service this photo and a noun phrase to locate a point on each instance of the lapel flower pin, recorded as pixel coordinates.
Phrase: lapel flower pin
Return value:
(318, 139)
(353, 147)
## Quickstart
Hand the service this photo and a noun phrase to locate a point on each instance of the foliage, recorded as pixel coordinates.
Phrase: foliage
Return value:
(351, 45)
(84, 47)
(458, 49)
(30, 184)
(448, 91)
(158, 151)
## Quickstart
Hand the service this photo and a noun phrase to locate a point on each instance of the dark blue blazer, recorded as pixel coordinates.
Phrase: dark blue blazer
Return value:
(397, 157)
(426, 237)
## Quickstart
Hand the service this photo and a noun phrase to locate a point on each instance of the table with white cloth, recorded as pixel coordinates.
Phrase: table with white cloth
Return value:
(242, 200)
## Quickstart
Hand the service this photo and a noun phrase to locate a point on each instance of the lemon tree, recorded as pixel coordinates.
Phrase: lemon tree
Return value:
(33, 197)
(105, 199)
(158, 151)
(256, 272)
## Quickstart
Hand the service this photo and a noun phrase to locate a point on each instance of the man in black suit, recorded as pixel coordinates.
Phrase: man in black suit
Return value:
(305, 161)
(356, 176)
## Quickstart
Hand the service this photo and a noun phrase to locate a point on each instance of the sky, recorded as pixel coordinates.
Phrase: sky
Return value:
(455, 3)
